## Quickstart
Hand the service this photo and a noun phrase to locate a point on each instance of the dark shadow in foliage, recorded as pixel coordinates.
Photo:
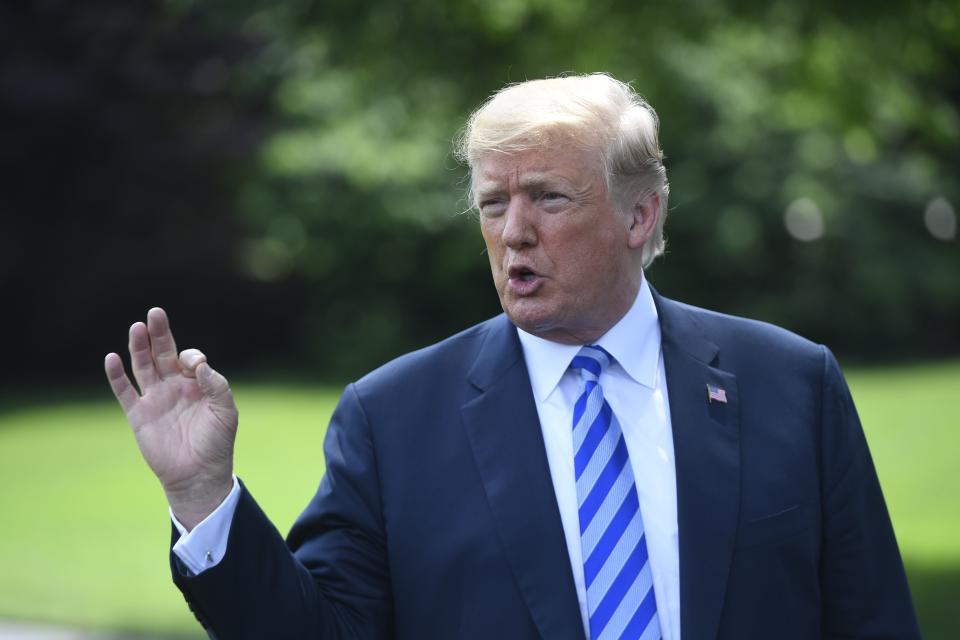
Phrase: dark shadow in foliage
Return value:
(124, 130)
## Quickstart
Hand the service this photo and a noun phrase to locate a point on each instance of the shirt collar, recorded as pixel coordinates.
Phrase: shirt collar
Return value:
(634, 341)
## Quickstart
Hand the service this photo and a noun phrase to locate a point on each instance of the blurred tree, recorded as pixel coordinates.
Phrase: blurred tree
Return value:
(125, 129)
(812, 151)
(804, 142)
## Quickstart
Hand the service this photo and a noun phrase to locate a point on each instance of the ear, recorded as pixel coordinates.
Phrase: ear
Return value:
(643, 219)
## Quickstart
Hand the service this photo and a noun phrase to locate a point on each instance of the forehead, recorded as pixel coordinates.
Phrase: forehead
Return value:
(523, 169)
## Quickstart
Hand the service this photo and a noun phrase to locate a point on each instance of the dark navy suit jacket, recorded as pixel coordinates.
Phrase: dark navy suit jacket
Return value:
(437, 517)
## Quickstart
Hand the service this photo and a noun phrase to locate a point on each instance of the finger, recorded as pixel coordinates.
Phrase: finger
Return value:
(213, 385)
(217, 389)
(190, 359)
(162, 346)
(141, 361)
(126, 395)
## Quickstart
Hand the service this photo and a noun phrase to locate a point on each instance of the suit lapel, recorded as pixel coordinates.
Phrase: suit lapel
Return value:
(503, 428)
(706, 440)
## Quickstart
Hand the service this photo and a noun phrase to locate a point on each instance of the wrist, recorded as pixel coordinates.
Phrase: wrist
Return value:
(191, 504)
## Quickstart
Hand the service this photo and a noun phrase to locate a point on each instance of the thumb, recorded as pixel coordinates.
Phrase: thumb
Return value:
(214, 386)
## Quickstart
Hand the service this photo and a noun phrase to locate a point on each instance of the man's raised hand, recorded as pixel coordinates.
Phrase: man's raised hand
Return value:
(184, 417)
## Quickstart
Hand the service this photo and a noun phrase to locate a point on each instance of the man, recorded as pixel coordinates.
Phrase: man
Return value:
(598, 462)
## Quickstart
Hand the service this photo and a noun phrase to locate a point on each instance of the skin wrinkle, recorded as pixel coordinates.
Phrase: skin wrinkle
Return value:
(534, 179)
(587, 256)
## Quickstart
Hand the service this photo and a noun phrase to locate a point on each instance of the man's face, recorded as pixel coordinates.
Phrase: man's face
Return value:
(566, 265)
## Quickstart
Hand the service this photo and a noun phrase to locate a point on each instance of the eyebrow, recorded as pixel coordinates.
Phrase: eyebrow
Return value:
(530, 182)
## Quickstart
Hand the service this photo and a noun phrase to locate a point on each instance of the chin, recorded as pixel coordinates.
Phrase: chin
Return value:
(530, 324)
(532, 321)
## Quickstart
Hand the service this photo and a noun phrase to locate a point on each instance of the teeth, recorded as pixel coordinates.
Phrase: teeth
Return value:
(526, 276)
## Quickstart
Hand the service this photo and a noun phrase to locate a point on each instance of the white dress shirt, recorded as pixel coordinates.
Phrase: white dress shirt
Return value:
(205, 545)
(635, 387)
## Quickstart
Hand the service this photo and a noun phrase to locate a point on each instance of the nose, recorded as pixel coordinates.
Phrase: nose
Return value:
(519, 227)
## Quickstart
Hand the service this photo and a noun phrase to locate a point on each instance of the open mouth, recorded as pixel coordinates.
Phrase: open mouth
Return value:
(522, 274)
(523, 281)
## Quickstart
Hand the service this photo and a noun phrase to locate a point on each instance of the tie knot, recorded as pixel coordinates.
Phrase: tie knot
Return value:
(591, 361)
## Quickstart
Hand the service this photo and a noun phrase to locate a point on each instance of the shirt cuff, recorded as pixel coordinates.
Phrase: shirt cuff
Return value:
(205, 546)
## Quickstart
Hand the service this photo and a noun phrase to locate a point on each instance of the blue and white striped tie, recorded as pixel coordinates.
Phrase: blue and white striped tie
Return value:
(619, 582)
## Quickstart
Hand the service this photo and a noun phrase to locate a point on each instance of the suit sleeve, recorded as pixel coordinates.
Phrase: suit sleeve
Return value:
(329, 579)
(864, 586)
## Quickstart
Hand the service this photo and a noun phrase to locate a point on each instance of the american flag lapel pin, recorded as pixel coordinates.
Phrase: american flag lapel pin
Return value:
(716, 394)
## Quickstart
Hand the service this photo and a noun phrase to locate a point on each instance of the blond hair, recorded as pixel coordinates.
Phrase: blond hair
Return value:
(593, 111)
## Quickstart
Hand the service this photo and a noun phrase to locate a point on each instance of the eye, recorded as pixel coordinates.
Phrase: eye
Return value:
(552, 198)
(493, 207)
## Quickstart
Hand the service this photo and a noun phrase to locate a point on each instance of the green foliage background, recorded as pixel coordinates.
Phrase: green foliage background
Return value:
(852, 110)
(278, 175)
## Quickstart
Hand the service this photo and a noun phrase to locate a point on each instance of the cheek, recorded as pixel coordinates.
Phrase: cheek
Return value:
(491, 238)
(582, 263)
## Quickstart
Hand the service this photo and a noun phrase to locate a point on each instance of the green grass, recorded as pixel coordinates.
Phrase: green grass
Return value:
(85, 533)
(85, 530)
